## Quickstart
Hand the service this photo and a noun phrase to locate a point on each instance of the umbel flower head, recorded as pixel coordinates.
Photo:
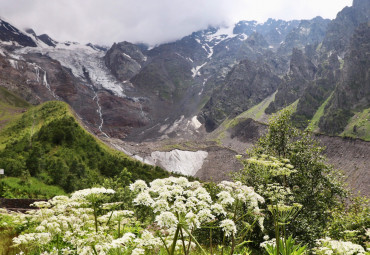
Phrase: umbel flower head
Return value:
(93, 191)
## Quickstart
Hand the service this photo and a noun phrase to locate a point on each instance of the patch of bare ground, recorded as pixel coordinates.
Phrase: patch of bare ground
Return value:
(352, 156)
(219, 164)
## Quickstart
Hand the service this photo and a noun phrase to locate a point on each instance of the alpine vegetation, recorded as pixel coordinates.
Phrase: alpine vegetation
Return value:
(89, 222)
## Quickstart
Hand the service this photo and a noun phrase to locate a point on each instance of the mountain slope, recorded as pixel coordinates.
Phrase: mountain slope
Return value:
(353, 93)
(247, 85)
(47, 142)
(10, 106)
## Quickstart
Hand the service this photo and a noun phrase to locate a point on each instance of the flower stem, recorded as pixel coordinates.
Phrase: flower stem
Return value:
(175, 240)
(183, 241)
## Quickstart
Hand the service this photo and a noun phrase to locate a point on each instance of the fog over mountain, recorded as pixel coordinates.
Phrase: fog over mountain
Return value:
(152, 22)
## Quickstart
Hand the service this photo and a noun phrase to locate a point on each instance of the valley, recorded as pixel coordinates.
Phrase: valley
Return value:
(207, 96)
(228, 137)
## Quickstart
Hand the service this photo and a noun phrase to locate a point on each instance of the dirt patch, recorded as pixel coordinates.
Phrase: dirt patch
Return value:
(247, 130)
(18, 204)
(219, 164)
(352, 156)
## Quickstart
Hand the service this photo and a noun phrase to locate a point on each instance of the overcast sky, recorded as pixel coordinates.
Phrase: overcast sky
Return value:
(151, 21)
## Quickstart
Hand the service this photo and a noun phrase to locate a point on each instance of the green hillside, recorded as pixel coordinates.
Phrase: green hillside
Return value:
(48, 143)
(314, 123)
(359, 126)
(11, 106)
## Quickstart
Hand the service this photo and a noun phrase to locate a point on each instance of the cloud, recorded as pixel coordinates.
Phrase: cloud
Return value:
(150, 21)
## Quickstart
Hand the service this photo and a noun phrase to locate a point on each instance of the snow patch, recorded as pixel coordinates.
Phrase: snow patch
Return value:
(222, 33)
(13, 63)
(127, 56)
(195, 70)
(190, 59)
(163, 128)
(177, 161)
(175, 125)
(195, 122)
(243, 37)
(2, 53)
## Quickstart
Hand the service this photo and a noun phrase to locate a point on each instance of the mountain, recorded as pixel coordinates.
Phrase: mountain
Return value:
(211, 91)
(275, 31)
(12, 35)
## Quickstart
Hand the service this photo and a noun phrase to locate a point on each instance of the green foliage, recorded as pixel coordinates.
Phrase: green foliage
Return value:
(314, 184)
(9, 99)
(314, 124)
(48, 143)
(334, 121)
(351, 222)
(287, 247)
(359, 126)
(12, 187)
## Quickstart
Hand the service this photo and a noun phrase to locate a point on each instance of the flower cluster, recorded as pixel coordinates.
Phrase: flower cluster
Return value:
(276, 167)
(175, 199)
(69, 223)
(327, 246)
(87, 222)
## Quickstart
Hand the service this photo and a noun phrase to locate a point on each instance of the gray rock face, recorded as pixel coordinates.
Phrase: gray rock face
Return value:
(317, 92)
(246, 85)
(124, 60)
(302, 72)
(341, 29)
(274, 31)
(308, 32)
(352, 93)
(47, 40)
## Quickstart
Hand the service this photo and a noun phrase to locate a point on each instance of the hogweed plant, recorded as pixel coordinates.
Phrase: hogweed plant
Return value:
(88, 223)
(273, 175)
(71, 225)
(181, 207)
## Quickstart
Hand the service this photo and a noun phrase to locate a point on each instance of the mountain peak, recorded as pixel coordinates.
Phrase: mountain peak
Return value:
(9, 33)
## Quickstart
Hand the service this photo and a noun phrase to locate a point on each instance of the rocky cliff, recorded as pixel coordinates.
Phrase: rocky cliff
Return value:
(352, 93)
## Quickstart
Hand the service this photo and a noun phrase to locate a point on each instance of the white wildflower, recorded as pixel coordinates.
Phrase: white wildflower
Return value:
(160, 205)
(228, 226)
(218, 209)
(139, 185)
(225, 198)
(205, 215)
(126, 238)
(166, 219)
(138, 251)
(143, 198)
(93, 191)
(192, 219)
